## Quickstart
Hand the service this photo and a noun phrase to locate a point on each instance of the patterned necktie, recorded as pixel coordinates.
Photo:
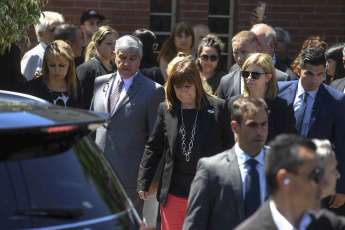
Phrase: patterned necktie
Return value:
(114, 97)
(301, 112)
(252, 198)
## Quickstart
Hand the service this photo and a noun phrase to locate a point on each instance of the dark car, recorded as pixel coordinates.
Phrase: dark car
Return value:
(53, 176)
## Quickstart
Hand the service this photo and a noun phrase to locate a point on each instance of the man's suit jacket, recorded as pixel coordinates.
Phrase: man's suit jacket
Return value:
(216, 137)
(320, 220)
(230, 84)
(339, 84)
(326, 121)
(123, 139)
(216, 196)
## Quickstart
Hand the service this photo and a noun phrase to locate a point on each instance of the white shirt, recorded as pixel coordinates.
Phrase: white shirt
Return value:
(283, 224)
(32, 61)
(309, 109)
(126, 84)
(242, 157)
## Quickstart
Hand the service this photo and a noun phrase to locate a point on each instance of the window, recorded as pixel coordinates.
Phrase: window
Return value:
(162, 19)
(220, 21)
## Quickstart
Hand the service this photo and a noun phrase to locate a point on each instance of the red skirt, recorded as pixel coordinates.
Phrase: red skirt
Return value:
(173, 213)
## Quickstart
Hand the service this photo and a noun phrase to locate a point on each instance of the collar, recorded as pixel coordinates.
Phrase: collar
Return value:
(242, 157)
(283, 224)
(274, 59)
(126, 81)
(300, 90)
(43, 45)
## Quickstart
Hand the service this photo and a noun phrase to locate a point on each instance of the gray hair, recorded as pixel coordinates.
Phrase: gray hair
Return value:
(287, 38)
(270, 32)
(323, 150)
(127, 43)
(47, 18)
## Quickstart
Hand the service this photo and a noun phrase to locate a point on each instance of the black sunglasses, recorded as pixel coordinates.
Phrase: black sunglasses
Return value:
(212, 57)
(255, 75)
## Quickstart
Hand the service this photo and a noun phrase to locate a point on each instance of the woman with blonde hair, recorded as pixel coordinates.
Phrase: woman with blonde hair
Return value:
(260, 80)
(58, 83)
(190, 124)
(99, 60)
(181, 40)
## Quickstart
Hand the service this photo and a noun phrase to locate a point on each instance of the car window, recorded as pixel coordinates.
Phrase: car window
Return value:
(77, 183)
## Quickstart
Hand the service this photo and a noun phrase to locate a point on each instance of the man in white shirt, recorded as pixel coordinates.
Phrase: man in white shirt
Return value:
(296, 180)
(32, 61)
(230, 186)
(131, 100)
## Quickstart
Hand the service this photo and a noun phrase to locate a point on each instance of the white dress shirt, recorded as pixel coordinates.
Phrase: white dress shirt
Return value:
(127, 83)
(283, 224)
(32, 61)
(242, 157)
(309, 109)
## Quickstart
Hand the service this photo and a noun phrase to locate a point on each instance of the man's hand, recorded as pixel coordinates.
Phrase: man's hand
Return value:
(143, 195)
(254, 19)
(337, 200)
(153, 188)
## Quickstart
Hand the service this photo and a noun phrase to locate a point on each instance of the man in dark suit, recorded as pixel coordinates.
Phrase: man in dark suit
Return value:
(296, 181)
(267, 40)
(319, 109)
(244, 44)
(220, 193)
(132, 101)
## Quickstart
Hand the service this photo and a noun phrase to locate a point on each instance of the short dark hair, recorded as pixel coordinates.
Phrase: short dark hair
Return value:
(245, 105)
(313, 56)
(147, 38)
(65, 31)
(284, 154)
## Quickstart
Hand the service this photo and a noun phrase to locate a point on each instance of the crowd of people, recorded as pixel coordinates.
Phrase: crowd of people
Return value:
(197, 146)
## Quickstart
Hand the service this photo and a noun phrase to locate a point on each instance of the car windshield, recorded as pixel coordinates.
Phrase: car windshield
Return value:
(57, 189)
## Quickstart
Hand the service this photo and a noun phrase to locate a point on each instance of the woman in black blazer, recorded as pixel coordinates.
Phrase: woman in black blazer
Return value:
(260, 81)
(58, 83)
(191, 124)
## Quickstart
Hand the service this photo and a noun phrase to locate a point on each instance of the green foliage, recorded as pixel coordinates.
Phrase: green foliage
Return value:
(16, 16)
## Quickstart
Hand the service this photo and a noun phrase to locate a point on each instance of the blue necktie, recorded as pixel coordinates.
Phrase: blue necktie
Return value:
(252, 199)
(301, 113)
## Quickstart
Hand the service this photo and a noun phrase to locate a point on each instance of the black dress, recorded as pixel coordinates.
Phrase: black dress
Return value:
(87, 73)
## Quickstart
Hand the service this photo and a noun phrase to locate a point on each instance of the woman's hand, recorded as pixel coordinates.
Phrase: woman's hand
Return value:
(337, 200)
(143, 195)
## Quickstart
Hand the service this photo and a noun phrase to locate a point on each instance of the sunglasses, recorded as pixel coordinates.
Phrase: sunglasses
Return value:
(316, 175)
(212, 57)
(255, 75)
(155, 46)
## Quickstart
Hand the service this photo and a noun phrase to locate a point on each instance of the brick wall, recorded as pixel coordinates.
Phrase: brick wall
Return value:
(302, 18)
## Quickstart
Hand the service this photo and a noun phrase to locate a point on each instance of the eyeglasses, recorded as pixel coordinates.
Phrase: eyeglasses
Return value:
(206, 57)
(155, 46)
(255, 75)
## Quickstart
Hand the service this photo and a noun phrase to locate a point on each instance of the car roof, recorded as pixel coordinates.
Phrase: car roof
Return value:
(22, 111)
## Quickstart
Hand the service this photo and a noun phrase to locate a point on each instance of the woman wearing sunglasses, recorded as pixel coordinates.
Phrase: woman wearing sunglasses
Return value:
(209, 52)
(260, 80)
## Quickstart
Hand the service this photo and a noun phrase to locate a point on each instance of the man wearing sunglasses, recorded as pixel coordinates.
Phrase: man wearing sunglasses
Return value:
(319, 110)
(296, 181)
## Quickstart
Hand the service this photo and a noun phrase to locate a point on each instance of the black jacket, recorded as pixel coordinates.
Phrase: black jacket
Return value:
(216, 137)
